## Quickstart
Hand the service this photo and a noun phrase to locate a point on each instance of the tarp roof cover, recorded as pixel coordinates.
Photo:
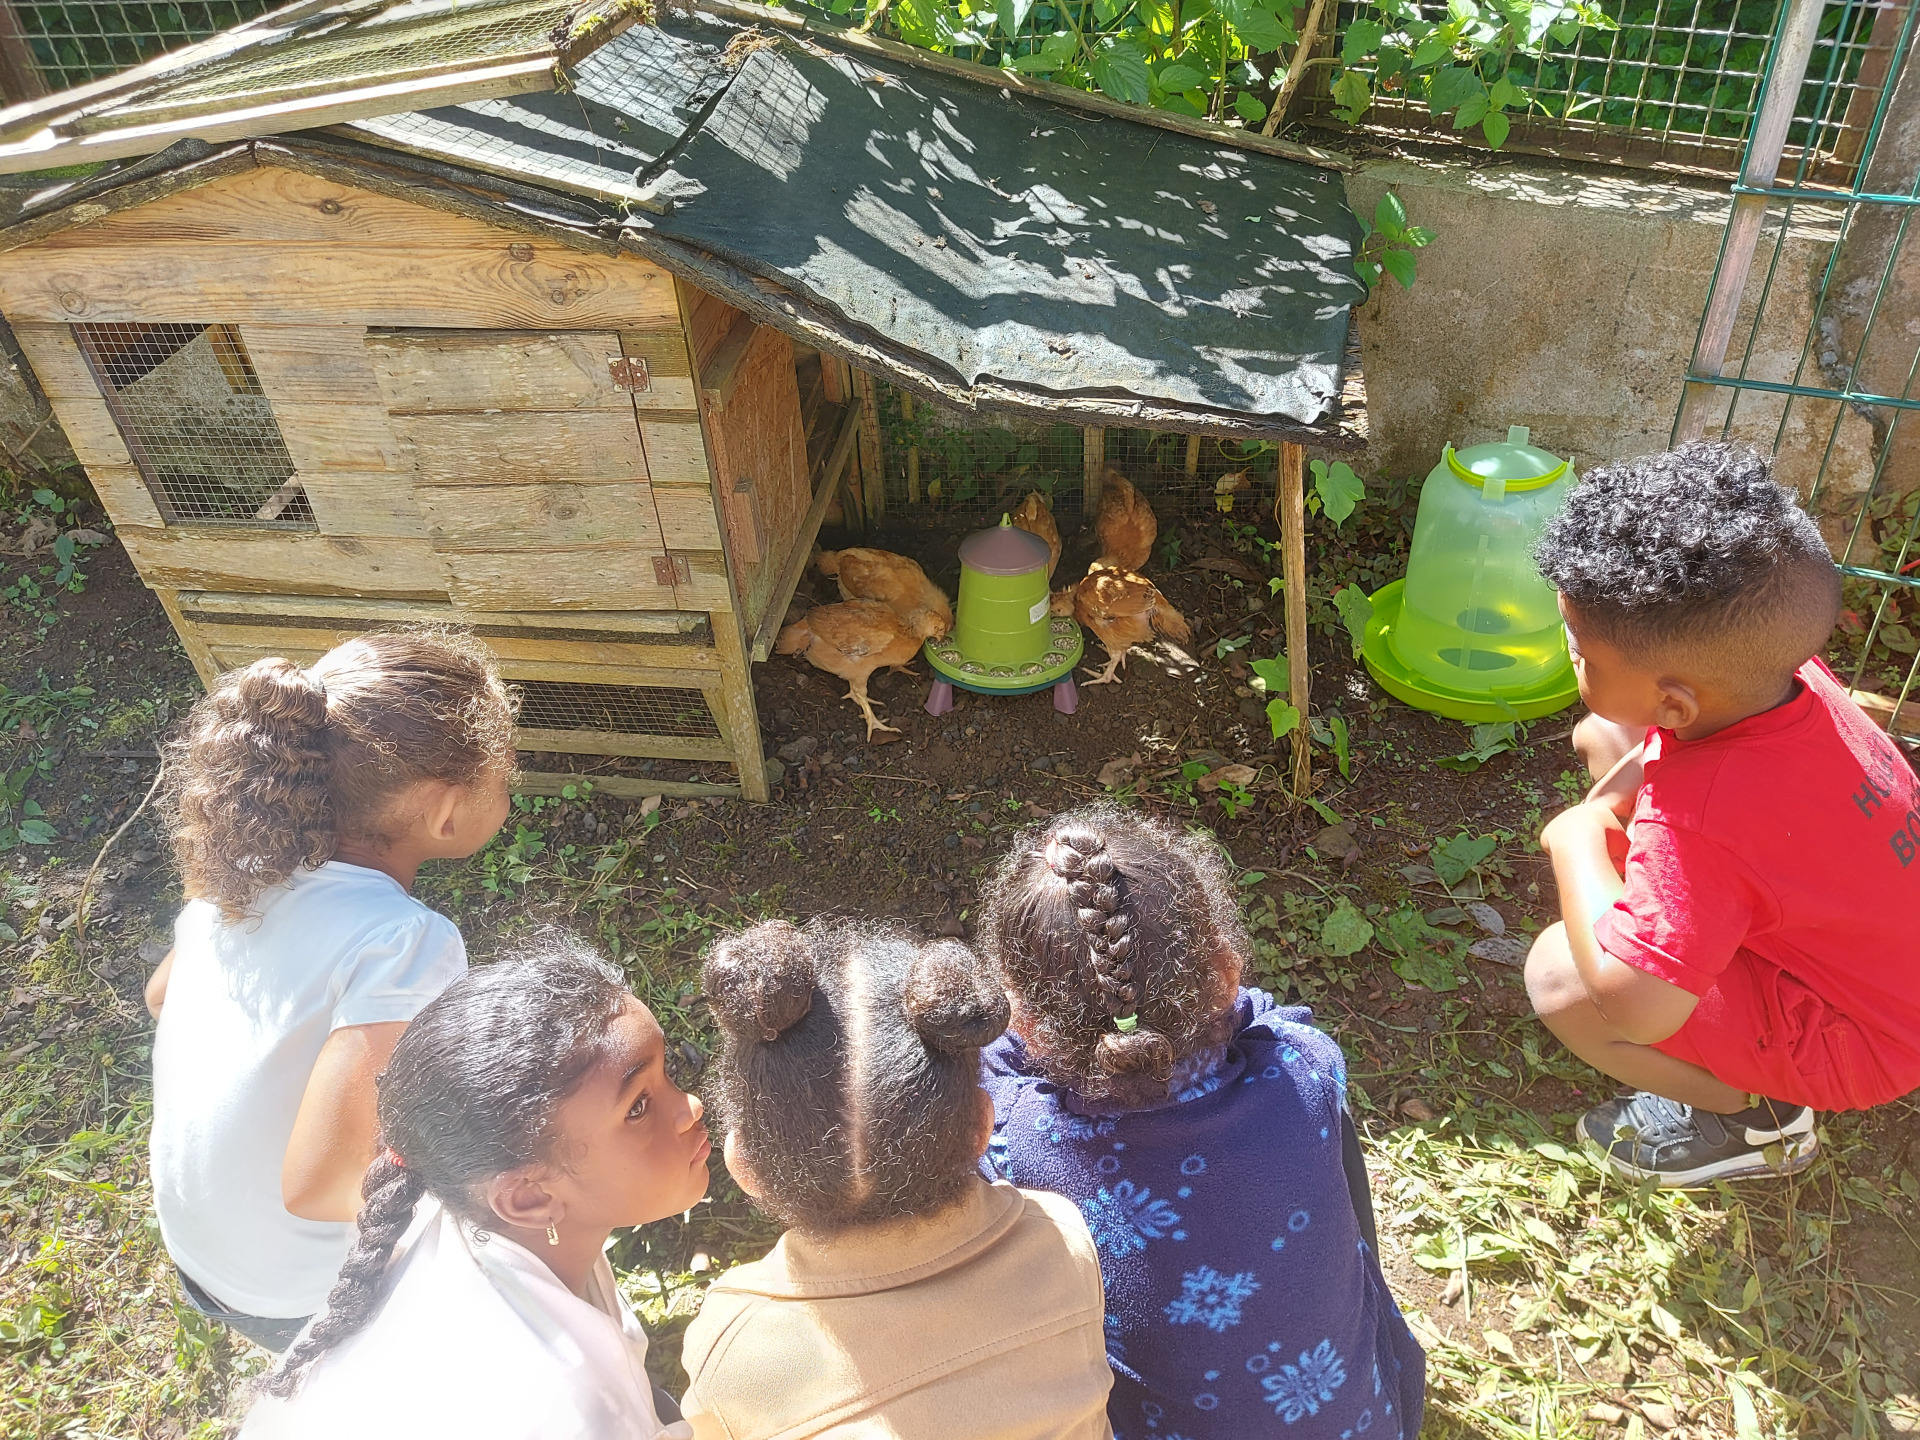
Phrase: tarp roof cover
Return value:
(1001, 235)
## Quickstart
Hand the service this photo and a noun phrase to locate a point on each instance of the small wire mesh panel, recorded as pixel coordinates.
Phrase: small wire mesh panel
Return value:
(616, 709)
(941, 462)
(77, 41)
(191, 409)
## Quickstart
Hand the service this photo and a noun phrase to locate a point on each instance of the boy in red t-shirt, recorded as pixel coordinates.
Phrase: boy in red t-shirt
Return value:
(1757, 955)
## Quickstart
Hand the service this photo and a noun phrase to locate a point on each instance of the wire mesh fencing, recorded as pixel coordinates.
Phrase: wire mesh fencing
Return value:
(1676, 84)
(940, 463)
(1822, 375)
(199, 427)
(79, 41)
(615, 709)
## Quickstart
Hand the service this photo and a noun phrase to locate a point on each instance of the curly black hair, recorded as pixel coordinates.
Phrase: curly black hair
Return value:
(1697, 549)
(849, 1069)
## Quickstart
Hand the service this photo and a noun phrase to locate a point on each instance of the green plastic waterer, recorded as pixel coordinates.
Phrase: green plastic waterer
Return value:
(1474, 632)
(1004, 640)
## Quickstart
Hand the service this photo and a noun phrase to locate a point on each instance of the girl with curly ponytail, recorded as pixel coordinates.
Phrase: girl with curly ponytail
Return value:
(849, 1085)
(1203, 1131)
(302, 804)
(525, 1115)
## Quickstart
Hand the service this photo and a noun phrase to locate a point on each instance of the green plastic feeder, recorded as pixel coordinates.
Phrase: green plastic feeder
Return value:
(1474, 632)
(1004, 640)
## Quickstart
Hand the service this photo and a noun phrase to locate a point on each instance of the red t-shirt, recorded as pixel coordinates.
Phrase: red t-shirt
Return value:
(1795, 835)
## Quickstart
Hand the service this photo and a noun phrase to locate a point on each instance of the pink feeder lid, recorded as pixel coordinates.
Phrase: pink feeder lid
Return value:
(1005, 549)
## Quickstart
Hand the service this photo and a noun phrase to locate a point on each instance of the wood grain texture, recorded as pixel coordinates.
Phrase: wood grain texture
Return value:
(56, 360)
(124, 495)
(559, 370)
(325, 364)
(321, 436)
(757, 438)
(608, 742)
(91, 431)
(381, 610)
(369, 503)
(1291, 503)
(709, 318)
(676, 451)
(708, 588)
(687, 518)
(474, 286)
(204, 665)
(668, 365)
(552, 516)
(509, 649)
(583, 580)
(282, 561)
(518, 448)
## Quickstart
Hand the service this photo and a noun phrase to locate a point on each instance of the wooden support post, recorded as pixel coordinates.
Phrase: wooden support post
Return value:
(872, 454)
(20, 78)
(913, 453)
(739, 719)
(1193, 456)
(1291, 502)
(1093, 469)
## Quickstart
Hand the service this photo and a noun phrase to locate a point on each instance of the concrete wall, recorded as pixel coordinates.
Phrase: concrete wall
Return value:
(1567, 299)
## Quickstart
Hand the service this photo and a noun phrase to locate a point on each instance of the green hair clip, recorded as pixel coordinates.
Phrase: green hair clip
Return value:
(1126, 1024)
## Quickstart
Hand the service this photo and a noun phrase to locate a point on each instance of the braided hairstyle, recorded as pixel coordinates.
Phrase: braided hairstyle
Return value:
(469, 1093)
(849, 1068)
(277, 764)
(1122, 944)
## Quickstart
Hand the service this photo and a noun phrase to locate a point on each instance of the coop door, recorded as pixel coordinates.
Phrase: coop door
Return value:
(190, 408)
(530, 466)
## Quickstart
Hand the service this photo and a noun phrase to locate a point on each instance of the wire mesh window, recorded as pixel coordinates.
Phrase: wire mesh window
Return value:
(75, 42)
(940, 462)
(191, 410)
(1676, 84)
(615, 709)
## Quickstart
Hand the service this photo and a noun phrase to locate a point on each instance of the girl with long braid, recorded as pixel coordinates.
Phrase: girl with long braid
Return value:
(524, 1115)
(1202, 1130)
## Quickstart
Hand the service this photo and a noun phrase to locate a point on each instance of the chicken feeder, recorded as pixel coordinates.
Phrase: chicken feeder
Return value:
(1004, 641)
(1474, 632)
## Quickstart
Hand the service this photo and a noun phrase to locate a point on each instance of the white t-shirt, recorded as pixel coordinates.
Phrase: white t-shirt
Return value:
(249, 1004)
(477, 1338)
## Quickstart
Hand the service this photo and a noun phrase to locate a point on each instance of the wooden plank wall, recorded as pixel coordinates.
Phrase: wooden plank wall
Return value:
(760, 456)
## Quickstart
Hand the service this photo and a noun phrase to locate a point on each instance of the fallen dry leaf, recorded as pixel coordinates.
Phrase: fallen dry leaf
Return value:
(1241, 775)
(1119, 772)
(1416, 1109)
(649, 805)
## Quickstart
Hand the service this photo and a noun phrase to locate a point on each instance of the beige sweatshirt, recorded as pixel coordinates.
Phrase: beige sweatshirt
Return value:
(984, 1322)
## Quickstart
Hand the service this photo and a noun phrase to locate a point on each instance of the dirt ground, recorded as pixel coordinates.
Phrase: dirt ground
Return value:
(1552, 1300)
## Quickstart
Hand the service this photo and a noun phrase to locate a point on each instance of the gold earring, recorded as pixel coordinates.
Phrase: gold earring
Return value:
(553, 1234)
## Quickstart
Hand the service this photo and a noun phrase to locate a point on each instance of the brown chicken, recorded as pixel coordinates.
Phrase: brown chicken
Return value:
(854, 639)
(1126, 525)
(892, 580)
(1124, 610)
(1036, 518)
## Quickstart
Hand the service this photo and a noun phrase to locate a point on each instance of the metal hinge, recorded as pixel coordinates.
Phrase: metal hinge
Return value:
(630, 376)
(669, 570)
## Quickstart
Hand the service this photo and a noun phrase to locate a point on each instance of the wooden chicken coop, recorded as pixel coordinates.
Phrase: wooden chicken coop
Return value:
(560, 329)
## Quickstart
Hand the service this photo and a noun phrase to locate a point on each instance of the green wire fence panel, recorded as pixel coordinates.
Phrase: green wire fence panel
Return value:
(940, 463)
(76, 42)
(1810, 347)
(1674, 86)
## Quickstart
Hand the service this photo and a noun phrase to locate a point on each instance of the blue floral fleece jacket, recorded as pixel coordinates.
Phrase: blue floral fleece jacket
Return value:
(1242, 1299)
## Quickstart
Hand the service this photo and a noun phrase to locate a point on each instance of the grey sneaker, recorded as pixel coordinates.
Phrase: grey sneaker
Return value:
(1649, 1137)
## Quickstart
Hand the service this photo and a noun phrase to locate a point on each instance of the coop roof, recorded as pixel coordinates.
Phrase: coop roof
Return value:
(980, 239)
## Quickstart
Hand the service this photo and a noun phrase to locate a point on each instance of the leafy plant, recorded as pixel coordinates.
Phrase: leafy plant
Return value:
(1336, 490)
(1488, 741)
(1346, 931)
(1235, 800)
(1355, 608)
(1388, 242)
(1455, 859)
(1462, 63)
(1270, 678)
(1421, 954)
